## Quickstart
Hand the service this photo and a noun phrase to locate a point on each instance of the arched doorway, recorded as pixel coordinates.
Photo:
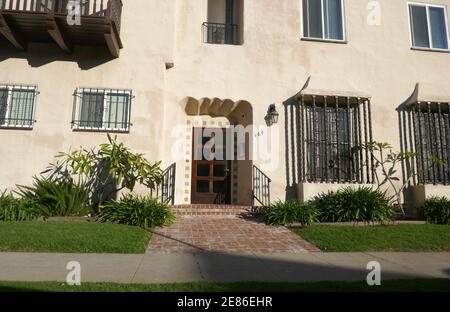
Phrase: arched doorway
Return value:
(221, 162)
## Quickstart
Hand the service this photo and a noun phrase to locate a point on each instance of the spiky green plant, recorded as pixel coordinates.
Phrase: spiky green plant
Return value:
(436, 210)
(57, 197)
(291, 211)
(354, 205)
(16, 209)
(142, 211)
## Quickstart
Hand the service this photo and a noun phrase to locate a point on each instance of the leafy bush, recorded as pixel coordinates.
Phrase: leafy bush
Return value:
(54, 197)
(436, 210)
(354, 205)
(140, 211)
(291, 211)
(16, 209)
(108, 169)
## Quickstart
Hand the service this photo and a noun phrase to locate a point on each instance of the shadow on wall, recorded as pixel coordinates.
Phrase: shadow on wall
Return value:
(293, 142)
(40, 54)
(292, 124)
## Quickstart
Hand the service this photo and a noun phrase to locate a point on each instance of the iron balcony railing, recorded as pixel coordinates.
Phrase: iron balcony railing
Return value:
(111, 9)
(219, 33)
(261, 188)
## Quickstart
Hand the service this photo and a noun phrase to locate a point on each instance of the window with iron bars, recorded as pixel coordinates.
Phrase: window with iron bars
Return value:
(17, 105)
(332, 132)
(102, 110)
(431, 129)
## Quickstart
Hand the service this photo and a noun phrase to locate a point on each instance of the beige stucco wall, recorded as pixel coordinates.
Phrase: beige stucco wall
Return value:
(141, 67)
(270, 67)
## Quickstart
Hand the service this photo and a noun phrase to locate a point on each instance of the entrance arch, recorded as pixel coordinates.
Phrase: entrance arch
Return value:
(208, 185)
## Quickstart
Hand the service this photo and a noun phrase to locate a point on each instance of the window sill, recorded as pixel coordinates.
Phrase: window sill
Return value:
(224, 44)
(430, 50)
(21, 128)
(324, 40)
(125, 131)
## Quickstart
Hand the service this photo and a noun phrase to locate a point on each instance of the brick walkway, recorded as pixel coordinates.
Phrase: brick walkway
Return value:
(240, 235)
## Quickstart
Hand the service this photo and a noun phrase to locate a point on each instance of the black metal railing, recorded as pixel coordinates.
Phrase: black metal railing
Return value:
(219, 33)
(261, 188)
(102, 110)
(165, 191)
(427, 132)
(332, 130)
(17, 106)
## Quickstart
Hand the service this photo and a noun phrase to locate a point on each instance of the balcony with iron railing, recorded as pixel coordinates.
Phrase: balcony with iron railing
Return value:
(221, 33)
(91, 23)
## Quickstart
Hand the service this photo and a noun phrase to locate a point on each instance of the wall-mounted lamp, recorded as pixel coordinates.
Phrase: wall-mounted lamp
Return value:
(272, 116)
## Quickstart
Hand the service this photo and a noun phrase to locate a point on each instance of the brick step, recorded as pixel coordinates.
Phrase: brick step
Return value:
(211, 206)
(219, 211)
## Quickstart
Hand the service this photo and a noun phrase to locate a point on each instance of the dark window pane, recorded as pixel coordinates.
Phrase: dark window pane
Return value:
(206, 139)
(21, 107)
(325, 156)
(202, 186)
(438, 28)
(219, 170)
(219, 186)
(3, 105)
(314, 9)
(229, 17)
(91, 110)
(419, 26)
(333, 19)
(117, 111)
(305, 19)
(432, 131)
(203, 170)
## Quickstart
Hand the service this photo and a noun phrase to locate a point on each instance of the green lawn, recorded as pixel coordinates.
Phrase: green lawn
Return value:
(425, 285)
(380, 238)
(72, 237)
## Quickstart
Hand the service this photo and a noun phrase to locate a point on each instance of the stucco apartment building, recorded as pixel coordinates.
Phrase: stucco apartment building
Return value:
(300, 83)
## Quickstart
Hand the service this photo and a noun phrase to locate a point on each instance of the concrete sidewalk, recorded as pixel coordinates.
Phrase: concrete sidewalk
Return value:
(217, 267)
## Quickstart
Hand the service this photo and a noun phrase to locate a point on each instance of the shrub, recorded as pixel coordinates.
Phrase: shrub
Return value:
(55, 197)
(108, 169)
(354, 205)
(436, 210)
(16, 209)
(140, 211)
(291, 211)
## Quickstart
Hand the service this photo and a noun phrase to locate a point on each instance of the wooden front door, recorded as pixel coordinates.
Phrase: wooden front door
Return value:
(210, 177)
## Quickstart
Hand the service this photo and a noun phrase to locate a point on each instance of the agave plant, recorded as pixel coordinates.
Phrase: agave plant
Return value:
(57, 196)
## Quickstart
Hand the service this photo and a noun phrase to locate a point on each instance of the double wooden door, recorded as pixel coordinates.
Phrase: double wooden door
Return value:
(211, 181)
